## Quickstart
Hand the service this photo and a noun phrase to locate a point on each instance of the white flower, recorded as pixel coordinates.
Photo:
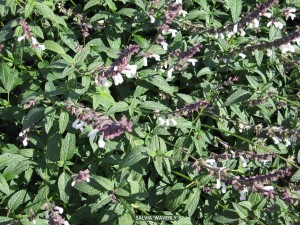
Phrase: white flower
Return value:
(222, 36)
(178, 2)
(229, 34)
(232, 154)
(269, 52)
(297, 40)
(34, 41)
(174, 122)
(145, 61)
(286, 48)
(223, 188)
(25, 141)
(235, 28)
(242, 32)
(184, 13)
(42, 47)
(152, 19)
(92, 134)
(164, 45)
(276, 140)
(212, 162)
(101, 142)
(73, 183)
(278, 24)
(193, 61)
(116, 68)
(268, 188)
(80, 125)
(75, 123)
(287, 142)
(242, 55)
(218, 184)
(105, 82)
(156, 57)
(118, 79)
(243, 127)
(167, 122)
(59, 209)
(173, 32)
(21, 38)
(290, 13)
(244, 161)
(264, 161)
(216, 36)
(269, 23)
(132, 68)
(242, 194)
(254, 23)
(161, 121)
(170, 72)
(268, 15)
(66, 223)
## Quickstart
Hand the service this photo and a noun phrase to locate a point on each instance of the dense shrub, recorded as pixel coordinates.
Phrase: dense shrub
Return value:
(116, 111)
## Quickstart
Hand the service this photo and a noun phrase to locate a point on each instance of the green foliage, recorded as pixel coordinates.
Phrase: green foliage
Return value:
(206, 104)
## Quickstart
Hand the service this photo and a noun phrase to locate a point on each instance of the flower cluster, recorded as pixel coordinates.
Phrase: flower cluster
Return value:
(118, 67)
(228, 82)
(55, 217)
(81, 177)
(27, 34)
(103, 125)
(23, 135)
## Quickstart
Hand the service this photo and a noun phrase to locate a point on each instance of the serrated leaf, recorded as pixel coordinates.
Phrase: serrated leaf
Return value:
(111, 5)
(192, 202)
(142, 42)
(17, 199)
(104, 182)
(53, 147)
(296, 176)
(240, 210)
(28, 8)
(49, 115)
(259, 54)
(8, 77)
(153, 106)
(176, 196)
(118, 107)
(235, 9)
(35, 115)
(68, 147)
(64, 187)
(133, 157)
(80, 56)
(48, 13)
(127, 12)
(159, 82)
(4, 187)
(55, 47)
(91, 3)
(5, 220)
(239, 95)
(63, 121)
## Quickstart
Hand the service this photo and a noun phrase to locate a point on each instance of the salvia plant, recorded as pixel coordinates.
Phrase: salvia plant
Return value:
(149, 112)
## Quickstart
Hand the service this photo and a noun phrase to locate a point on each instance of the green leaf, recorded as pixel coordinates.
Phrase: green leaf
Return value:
(153, 106)
(126, 219)
(118, 107)
(49, 114)
(80, 56)
(8, 77)
(91, 3)
(5, 220)
(17, 199)
(68, 147)
(259, 54)
(4, 187)
(176, 196)
(63, 121)
(48, 13)
(104, 182)
(64, 187)
(159, 82)
(137, 154)
(28, 8)
(55, 47)
(296, 176)
(192, 202)
(111, 5)
(142, 42)
(243, 214)
(113, 38)
(53, 147)
(239, 95)
(235, 9)
(35, 115)
(127, 12)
